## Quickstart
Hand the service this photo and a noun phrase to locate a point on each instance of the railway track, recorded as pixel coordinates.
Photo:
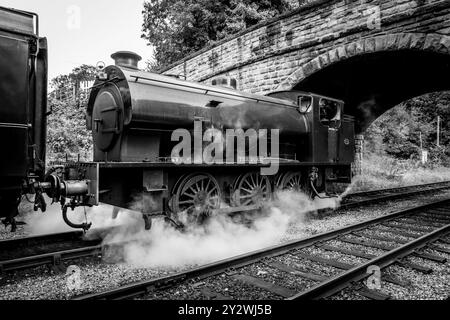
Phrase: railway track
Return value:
(312, 268)
(357, 199)
(50, 249)
(54, 249)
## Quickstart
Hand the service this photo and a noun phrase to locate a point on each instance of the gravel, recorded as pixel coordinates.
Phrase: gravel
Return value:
(41, 283)
(223, 284)
(341, 218)
(418, 285)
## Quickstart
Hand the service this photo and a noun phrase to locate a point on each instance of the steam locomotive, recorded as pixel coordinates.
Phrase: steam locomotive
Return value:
(137, 118)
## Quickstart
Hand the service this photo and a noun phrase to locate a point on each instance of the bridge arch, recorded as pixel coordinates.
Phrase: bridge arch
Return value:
(374, 74)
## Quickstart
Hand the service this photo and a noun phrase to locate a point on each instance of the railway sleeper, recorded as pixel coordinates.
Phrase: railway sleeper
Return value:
(405, 226)
(373, 294)
(381, 238)
(443, 211)
(368, 243)
(440, 249)
(331, 262)
(213, 295)
(440, 214)
(429, 256)
(415, 266)
(259, 283)
(403, 233)
(355, 253)
(307, 275)
(396, 281)
(435, 218)
(428, 222)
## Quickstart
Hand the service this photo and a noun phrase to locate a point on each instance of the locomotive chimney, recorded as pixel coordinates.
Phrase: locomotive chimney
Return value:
(126, 59)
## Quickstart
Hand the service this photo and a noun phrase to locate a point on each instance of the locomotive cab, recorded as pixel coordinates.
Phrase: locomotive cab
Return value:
(331, 141)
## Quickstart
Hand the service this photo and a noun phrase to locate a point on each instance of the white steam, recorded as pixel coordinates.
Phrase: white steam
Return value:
(164, 246)
(221, 237)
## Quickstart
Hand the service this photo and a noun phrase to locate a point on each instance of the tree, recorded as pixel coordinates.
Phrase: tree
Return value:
(397, 132)
(66, 126)
(177, 28)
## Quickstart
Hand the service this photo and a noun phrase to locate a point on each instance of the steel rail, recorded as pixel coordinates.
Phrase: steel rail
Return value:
(373, 200)
(91, 247)
(340, 282)
(54, 258)
(393, 189)
(26, 241)
(143, 287)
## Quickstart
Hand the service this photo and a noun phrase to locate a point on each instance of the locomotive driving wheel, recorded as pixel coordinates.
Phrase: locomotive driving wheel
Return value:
(251, 189)
(292, 181)
(197, 195)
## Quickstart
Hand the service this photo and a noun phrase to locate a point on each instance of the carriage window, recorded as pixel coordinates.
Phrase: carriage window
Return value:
(304, 103)
(330, 111)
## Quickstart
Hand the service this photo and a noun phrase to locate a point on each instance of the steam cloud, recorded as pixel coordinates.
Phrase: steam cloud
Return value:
(166, 247)
(219, 238)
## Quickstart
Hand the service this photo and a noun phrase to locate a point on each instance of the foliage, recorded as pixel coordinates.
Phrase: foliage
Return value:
(66, 126)
(383, 171)
(397, 132)
(177, 28)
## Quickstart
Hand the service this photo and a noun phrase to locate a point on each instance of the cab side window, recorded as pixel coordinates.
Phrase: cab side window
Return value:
(330, 111)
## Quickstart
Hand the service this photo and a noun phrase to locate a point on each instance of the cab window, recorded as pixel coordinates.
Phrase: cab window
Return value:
(330, 111)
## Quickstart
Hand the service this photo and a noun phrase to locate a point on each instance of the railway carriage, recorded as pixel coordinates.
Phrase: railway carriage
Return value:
(23, 107)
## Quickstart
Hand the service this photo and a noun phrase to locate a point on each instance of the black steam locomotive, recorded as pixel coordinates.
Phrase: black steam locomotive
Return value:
(137, 118)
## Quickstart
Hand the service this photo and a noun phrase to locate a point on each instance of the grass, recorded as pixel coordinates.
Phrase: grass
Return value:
(381, 171)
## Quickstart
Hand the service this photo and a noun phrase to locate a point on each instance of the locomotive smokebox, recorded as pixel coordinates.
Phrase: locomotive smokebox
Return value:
(126, 59)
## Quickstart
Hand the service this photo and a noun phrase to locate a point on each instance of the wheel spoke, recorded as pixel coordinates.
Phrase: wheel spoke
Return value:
(249, 191)
(192, 188)
(261, 182)
(248, 183)
(186, 202)
(212, 190)
(189, 195)
(188, 208)
(253, 181)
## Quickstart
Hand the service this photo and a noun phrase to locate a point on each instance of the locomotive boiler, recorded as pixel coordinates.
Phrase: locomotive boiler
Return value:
(133, 115)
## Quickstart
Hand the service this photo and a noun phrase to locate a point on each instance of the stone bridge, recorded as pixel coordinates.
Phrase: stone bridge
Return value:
(373, 54)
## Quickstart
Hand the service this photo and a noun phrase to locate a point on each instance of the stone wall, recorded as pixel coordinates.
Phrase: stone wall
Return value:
(283, 51)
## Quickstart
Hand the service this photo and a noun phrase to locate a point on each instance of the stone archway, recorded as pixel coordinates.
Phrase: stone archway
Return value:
(373, 75)
(393, 42)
